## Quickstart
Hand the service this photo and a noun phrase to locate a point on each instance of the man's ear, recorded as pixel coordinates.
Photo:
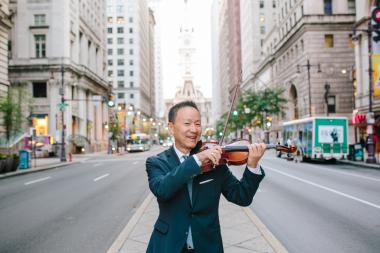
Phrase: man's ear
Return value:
(170, 128)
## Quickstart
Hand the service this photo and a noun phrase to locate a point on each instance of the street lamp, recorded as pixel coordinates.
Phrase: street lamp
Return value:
(308, 67)
(62, 93)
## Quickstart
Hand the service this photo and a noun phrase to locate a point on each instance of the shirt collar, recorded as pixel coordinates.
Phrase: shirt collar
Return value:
(179, 153)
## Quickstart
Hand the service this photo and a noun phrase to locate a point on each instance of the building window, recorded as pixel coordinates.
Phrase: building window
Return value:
(40, 45)
(120, 51)
(351, 6)
(331, 104)
(329, 41)
(274, 4)
(131, 96)
(262, 29)
(109, 51)
(120, 72)
(120, 20)
(130, 40)
(120, 62)
(120, 84)
(110, 73)
(130, 20)
(120, 95)
(120, 30)
(39, 90)
(110, 20)
(131, 51)
(109, 40)
(350, 42)
(109, 30)
(110, 62)
(261, 3)
(120, 9)
(39, 19)
(328, 7)
(131, 84)
(120, 41)
(131, 73)
(131, 30)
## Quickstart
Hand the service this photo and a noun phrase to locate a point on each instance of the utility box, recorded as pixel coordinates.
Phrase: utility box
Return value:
(24, 159)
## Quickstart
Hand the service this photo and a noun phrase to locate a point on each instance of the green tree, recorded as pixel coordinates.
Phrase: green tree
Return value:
(252, 107)
(12, 107)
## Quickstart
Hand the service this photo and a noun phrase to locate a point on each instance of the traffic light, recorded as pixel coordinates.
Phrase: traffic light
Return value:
(110, 101)
(269, 121)
(376, 24)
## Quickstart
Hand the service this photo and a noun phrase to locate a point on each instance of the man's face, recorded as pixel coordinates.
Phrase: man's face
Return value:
(186, 128)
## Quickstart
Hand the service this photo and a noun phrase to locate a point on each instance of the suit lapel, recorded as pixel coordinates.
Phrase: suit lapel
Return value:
(173, 159)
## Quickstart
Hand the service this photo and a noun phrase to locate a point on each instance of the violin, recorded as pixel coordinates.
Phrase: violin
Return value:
(235, 153)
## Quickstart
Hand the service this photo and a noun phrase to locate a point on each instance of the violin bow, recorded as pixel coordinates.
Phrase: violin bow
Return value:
(237, 87)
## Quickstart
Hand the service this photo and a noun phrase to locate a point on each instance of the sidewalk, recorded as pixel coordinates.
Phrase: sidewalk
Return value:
(41, 164)
(360, 164)
(242, 230)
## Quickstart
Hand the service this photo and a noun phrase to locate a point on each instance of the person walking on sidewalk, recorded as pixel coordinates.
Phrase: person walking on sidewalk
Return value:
(188, 197)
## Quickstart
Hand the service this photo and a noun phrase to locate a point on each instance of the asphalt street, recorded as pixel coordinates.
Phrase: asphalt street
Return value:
(318, 207)
(78, 208)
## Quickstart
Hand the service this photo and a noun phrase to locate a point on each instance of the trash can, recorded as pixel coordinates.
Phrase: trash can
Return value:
(358, 152)
(351, 152)
(24, 159)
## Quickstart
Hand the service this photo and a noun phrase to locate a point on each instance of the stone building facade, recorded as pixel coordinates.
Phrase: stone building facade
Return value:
(58, 49)
(5, 27)
(310, 39)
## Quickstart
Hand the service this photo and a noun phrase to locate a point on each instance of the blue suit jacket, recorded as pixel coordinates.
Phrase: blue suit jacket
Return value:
(168, 181)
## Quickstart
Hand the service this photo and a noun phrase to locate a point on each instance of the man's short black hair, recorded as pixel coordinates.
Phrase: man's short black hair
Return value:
(173, 111)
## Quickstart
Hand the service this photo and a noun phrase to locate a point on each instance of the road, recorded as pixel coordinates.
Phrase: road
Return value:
(77, 208)
(314, 207)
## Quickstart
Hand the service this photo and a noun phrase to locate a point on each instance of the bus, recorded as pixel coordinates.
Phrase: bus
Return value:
(322, 138)
(138, 142)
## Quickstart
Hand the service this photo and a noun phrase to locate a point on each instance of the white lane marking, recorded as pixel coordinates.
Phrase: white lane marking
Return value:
(37, 180)
(135, 162)
(331, 169)
(97, 164)
(327, 188)
(356, 175)
(101, 177)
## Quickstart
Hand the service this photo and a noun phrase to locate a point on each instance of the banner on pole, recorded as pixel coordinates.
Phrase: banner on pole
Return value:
(376, 74)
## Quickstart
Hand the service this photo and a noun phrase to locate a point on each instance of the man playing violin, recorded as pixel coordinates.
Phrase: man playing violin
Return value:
(187, 194)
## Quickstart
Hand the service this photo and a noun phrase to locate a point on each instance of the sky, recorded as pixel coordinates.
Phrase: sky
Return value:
(170, 17)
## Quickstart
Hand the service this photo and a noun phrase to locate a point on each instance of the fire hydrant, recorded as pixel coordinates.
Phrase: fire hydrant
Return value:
(70, 157)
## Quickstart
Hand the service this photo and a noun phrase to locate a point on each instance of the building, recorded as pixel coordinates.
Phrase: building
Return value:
(363, 100)
(257, 19)
(216, 102)
(229, 50)
(158, 85)
(5, 27)
(310, 54)
(130, 39)
(58, 50)
(188, 90)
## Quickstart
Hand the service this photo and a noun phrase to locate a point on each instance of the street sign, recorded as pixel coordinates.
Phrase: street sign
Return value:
(62, 105)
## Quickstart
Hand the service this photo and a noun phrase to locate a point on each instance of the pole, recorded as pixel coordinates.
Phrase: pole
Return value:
(308, 66)
(63, 152)
(370, 144)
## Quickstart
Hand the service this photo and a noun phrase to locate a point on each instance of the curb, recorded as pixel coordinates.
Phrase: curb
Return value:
(271, 239)
(365, 165)
(119, 242)
(28, 171)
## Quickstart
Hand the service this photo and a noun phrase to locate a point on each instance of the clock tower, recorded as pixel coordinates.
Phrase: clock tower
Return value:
(186, 49)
